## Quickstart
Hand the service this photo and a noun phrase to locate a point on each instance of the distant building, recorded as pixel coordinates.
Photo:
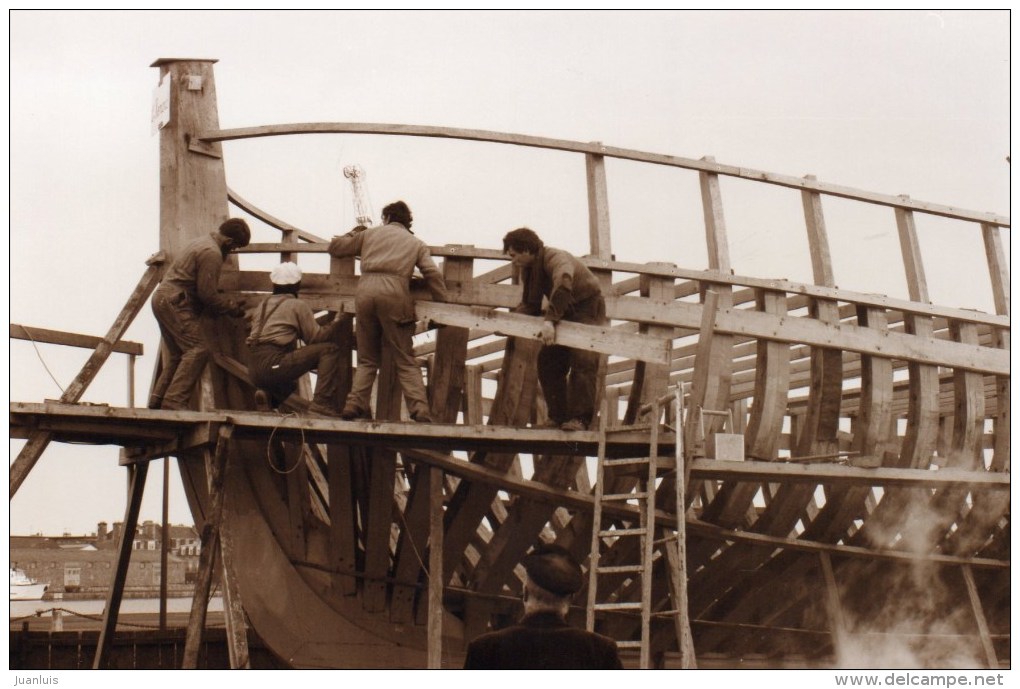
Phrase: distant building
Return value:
(83, 566)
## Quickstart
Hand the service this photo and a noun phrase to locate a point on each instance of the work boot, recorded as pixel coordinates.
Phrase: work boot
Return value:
(262, 402)
(352, 412)
(574, 425)
(421, 417)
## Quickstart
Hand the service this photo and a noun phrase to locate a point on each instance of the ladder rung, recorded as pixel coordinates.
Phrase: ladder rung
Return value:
(618, 569)
(624, 496)
(624, 532)
(618, 606)
(629, 644)
(666, 613)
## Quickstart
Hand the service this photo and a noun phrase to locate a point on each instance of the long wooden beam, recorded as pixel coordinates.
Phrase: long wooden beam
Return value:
(591, 337)
(741, 322)
(705, 530)
(697, 277)
(132, 426)
(406, 436)
(837, 474)
(33, 334)
(596, 148)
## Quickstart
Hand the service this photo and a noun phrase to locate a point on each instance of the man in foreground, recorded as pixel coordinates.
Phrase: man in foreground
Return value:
(543, 640)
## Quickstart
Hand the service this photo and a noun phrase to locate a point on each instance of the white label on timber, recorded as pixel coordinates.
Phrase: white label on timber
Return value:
(161, 105)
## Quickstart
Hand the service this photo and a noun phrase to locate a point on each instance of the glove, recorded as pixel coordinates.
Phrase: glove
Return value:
(236, 311)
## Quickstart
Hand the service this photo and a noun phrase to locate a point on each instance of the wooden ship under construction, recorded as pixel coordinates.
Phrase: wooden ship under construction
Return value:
(842, 458)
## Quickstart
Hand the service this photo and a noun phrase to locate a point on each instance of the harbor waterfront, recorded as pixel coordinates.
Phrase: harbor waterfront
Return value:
(141, 613)
(63, 635)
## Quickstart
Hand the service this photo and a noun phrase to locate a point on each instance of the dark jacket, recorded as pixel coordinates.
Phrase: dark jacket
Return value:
(197, 272)
(542, 641)
(562, 278)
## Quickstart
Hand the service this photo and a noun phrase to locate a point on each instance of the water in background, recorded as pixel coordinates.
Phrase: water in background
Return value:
(21, 608)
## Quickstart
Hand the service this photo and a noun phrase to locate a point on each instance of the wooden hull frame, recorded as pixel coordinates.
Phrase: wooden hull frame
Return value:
(799, 553)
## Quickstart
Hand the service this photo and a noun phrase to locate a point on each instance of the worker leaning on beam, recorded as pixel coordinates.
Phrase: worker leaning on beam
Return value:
(190, 288)
(384, 309)
(568, 375)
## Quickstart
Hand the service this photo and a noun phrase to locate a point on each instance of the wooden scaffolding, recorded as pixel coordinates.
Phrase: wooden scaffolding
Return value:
(873, 433)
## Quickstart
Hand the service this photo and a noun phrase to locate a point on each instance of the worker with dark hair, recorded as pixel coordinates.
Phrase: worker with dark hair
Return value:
(190, 288)
(384, 309)
(277, 363)
(542, 639)
(568, 375)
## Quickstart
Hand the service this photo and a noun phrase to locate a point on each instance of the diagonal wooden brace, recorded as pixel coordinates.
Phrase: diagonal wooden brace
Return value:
(37, 444)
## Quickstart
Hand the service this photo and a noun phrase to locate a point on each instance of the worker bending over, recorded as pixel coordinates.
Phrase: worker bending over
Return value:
(568, 375)
(190, 289)
(277, 363)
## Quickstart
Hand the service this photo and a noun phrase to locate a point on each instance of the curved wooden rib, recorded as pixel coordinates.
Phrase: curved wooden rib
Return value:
(733, 506)
(512, 406)
(818, 432)
(919, 443)
(987, 511)
(871, 434)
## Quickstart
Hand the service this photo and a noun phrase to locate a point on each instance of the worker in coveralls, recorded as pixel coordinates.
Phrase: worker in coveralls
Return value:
(277, 363)
(190, 288)
(568, 375)
(384, 309)
(543, 639)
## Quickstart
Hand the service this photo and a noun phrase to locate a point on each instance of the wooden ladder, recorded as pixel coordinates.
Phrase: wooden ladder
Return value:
(672, 546)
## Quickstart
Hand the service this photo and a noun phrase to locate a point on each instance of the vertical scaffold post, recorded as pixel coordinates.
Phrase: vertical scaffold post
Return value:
(136, 487)
(207, 557)
(435, 626)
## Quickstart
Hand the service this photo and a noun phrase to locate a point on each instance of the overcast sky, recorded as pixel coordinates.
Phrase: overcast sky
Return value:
(894, 102)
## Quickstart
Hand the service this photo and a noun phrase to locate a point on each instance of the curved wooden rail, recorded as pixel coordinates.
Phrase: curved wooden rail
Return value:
(598, 149)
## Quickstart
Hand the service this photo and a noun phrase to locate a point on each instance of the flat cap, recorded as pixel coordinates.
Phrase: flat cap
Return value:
(553, 568)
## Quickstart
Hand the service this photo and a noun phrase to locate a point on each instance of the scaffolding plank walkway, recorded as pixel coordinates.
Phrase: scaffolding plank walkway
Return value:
(125, 426)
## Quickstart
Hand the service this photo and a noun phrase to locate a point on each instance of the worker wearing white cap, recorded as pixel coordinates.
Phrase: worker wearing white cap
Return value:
(276, 361)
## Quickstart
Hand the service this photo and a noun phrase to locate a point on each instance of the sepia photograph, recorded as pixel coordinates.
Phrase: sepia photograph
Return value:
(466, 340)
